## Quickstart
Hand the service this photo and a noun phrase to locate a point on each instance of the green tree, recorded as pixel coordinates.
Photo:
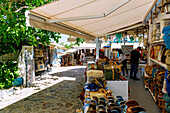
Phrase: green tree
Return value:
(13, 30)
(78, 41)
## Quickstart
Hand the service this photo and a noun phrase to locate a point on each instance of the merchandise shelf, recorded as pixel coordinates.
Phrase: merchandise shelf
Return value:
(158, 42)
(146, 87)
(160, 63)
(146, 75)
(152, 95)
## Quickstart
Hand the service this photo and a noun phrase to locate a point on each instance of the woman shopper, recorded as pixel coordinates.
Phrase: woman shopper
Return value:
(123, 60)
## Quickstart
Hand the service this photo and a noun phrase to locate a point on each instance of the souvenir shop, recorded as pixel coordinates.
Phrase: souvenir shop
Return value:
(156, 76)
(45, 58)
(105, 89)
(101, 77)
(42, 58)
(77, 57)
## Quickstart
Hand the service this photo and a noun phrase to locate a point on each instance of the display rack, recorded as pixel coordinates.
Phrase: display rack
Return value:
(39, 61)
(145, 75)
(155, 38)
(160, 63)
(146, 87)
(152, 95)
(158, 42)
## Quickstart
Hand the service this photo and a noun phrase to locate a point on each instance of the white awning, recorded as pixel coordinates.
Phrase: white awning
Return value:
(88, 19)
(71, 50)
(73, 39)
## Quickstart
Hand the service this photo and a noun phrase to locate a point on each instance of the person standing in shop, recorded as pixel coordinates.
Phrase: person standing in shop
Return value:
(134, 62)
(123, 60)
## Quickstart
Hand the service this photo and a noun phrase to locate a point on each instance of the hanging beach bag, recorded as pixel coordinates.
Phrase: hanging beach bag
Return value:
(152, 54)
(167, 77)
(167, 60)
(116, 70)
(108, 72)
(157, 50)
(155, 69)
(160, 53)
(163, 56)
(148, 69)
(166, 37)
(101, 63)
(145, 42)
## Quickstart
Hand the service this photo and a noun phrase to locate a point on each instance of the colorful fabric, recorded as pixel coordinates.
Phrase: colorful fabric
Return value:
(167, 77)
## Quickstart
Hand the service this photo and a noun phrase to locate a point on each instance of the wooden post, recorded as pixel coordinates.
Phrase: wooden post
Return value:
(162, 10)
(151, 18)
(155, 11)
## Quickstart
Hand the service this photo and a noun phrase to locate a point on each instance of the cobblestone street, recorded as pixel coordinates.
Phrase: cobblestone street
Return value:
(59, 98)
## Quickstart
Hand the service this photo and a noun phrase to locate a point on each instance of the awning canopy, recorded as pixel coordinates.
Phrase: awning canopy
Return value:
(73, 39)
(71, 50)
(89, 19)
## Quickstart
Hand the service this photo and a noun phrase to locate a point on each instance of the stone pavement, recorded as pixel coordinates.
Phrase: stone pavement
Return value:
(59, 98)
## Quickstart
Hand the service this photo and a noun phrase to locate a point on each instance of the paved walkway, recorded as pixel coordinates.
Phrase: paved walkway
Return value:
(59, 98)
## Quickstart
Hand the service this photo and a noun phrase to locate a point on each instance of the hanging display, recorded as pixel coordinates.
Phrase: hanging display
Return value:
(118, 36)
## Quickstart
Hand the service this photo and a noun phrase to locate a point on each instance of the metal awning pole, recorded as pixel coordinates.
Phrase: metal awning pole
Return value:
(122, 3)
(97, 48)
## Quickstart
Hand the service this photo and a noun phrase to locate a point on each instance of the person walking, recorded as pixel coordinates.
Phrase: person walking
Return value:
(123, 60)
(134, 62)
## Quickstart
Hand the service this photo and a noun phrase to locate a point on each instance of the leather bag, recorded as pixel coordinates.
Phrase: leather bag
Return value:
(163, 56)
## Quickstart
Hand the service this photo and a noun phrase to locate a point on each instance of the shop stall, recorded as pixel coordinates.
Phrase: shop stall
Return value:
(99, 24)
(54, 63)
(42, 58)
(106, 96)
(107, 51)
(71, 53)
(157, 45)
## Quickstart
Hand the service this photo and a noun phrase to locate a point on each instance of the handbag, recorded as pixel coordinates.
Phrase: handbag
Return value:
(167, 60)
(148, 70)
(112, 71)
(154, 70)
(167, 77)
(159, 54)
(152, 55)
(101, 63)
(116, 70)
(163, 56)
(145, 42)
(160, 78)
(157, 49)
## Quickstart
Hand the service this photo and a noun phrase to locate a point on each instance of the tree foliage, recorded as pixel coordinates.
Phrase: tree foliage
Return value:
(8, 72)
(13, 31)
(78, 41)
